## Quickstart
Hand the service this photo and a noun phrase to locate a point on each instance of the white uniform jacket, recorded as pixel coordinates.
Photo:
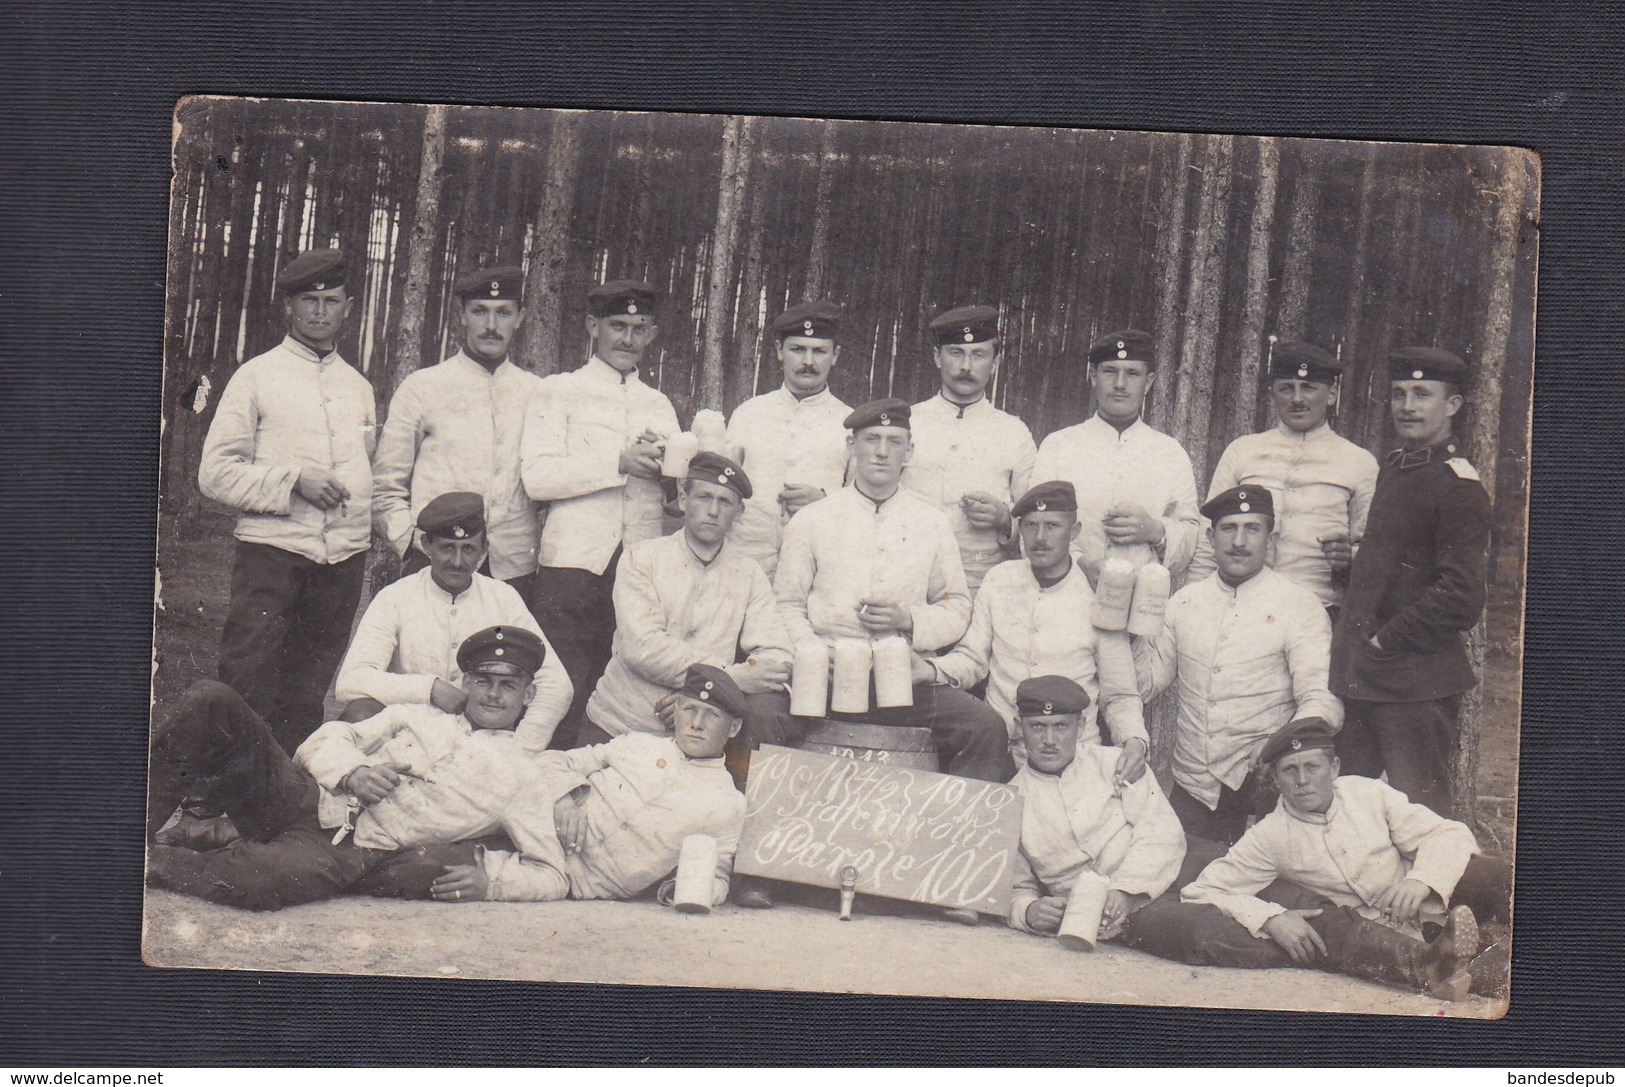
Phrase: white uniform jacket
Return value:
(1248, 660)
(288, 409)
(844, 550)
(1369, 839)
(457, 782)
(577, 426)
(1321, 482)
(673, 611)
(1019, 629)
(1071, 822)
(1140, 465)
(975, 448)
(644, 796)
(783, 440)
(409, 635)
(456, 427)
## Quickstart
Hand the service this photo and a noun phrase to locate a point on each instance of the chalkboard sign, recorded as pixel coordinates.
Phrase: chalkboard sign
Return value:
(911, 834)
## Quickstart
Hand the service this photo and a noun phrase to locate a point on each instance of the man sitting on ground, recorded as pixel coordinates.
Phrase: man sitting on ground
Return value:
(1081, 821)
(405, 648)
(1345, 874)
(347, 811)
(608, 821)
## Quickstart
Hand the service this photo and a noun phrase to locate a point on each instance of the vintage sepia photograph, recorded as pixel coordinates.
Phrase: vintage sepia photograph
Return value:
(841, 556)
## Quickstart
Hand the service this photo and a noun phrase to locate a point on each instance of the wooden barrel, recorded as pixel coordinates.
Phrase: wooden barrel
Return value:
(895, 746)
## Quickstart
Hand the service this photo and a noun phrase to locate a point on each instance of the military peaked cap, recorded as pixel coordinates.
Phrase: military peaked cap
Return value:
(891, 412)
(507, 282)
(1045, 695)
(711, 684)
(1304, 734)
(1305, 362)
(1129, 343)
(1057, 494)
(1250, 498)
(313, 270)
(507, 651)
(710, 467)
(820, 320)
(455, 514)
(967, 324)
(622, 296)
(1426, 364)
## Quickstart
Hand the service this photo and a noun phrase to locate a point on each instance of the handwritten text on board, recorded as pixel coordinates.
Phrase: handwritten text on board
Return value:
(911, 834)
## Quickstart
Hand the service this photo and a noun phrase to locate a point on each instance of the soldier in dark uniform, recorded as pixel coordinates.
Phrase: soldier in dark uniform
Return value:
(1399, 659)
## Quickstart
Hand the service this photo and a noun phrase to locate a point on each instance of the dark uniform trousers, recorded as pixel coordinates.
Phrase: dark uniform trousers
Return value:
(1228, 821)
(1204, 935)
(216, 748)
(285, 634)
(576, 611)
(971, 738)
(1413, 742)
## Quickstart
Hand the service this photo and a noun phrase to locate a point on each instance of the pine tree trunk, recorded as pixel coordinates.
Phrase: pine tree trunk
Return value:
(1244, 379)
(1514, 205)
(408, 348)
(540, 346)
(818, 251)
(738, 135)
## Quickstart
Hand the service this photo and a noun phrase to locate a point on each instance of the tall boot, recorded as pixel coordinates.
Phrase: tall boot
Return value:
(1375, 952)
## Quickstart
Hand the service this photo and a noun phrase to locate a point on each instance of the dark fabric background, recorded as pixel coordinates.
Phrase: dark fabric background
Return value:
(84, 172)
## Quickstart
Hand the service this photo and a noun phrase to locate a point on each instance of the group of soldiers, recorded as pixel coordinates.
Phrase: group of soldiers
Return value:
(557, 691)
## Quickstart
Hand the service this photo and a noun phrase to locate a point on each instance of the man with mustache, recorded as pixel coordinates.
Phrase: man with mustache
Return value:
(405, 647)
(591, 447)
(1080, 821)
(1415, 590)
(369, 807)
(455, 426)
(1035, 620)
(1136, 488)
(791, 440)
(290, 449)
(970, 459)
(1249, 650)
(688, 599)
(1321, 482)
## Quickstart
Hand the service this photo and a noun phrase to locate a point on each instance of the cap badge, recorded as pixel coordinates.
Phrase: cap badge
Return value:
(496, 287)
(631, 307)
(1297, 745)
(705, 696)
(1245, 507)
(970, 337)
(1040, 506)
(709, 684)
(1121, 345)
(1049, 707)
(458, 531)
(1416, 375)
(807, 327)
(723, 478)
(1303, 371)
(1241, 494)
(727, 471)
(885, 420)
(320, 285)
(1122, 354)
(499, 650)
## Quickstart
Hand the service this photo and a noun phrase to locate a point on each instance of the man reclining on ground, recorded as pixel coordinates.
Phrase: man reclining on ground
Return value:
(608, 821)
(1345, 874)
(358, 804)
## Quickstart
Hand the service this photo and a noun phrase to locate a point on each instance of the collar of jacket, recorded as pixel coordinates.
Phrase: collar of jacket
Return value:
(308, 353)
(1406, 459)
(603, 371)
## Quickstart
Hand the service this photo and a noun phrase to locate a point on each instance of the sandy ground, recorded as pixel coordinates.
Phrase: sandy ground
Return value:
(884, 949)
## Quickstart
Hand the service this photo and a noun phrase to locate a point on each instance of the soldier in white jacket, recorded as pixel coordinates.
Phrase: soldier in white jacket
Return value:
(405, 648)
(1345, 874)
(290, 448)
(1081, 821)
(591, 448)
(455, 427)
(362, 805)
(608, 821)
(970, 459)
(791, 440)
